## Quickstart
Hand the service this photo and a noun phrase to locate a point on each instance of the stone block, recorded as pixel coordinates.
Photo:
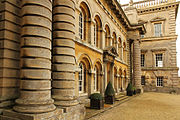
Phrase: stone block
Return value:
(38, 10)
(37, 31)
(13, 9)
(35, 63)
(8, 93)
(36, 74)
(63, 84)
(9, 82)
(37, 20)
(34, 97)
(10, 73)
(63, 26)
(64, 42)
(11, 17)
(9, 63)
(63, 9)
(9, 36)
(36, 41)
(63, 17)
(11, 45)
(36, 84)
(11, 27)
(63, 51)
(63, 67)
(36, 52)
(64, 34)
(68, 3)
(63, 76)
(45, 3)
(54, 115)
(64, 59)
(11, 54)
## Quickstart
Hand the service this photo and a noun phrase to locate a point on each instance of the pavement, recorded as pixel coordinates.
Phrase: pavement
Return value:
(147, 106)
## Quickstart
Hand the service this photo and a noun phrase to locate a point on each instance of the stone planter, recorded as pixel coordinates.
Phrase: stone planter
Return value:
(96, 104)
(109, 99)
(129, 93)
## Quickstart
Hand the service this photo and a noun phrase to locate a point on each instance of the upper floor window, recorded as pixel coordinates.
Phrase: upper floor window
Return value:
(142, 60)
(81, 25)
(157, 30)
(159, 60)
(96, 34)
(159, 82)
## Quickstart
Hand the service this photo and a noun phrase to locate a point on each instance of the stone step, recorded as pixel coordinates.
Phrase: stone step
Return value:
(122, 98)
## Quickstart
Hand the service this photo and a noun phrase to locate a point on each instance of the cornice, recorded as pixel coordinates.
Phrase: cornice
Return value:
(147, 39)
(155, 8)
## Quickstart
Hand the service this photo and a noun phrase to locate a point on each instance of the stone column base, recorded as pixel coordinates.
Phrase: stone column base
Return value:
(69, 113)
(12, 115)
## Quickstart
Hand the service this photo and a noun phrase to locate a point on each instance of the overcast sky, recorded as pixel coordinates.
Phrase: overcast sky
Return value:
(177, 31)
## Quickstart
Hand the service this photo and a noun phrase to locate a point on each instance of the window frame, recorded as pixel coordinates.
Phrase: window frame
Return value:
(159, 81)
(82, 76)
(156, 60)
(81, 25)
(156, 32)
(143, 63)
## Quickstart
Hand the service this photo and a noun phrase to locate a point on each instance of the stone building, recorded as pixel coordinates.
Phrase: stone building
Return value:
(158, 44)
(55, 53)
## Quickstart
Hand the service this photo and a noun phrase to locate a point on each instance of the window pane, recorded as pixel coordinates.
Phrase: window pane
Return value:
(157, 29)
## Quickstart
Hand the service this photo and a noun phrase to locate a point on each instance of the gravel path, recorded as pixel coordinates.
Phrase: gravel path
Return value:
(148, 106)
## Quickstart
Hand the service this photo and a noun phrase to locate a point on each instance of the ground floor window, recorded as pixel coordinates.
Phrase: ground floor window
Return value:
(159, 81)
(81, 78)
(143, 80)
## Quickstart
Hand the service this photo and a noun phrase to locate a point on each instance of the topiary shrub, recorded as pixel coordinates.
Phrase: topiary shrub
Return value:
(96, 96)
(96, 101)
(129, 90)
(109, 94)
(109, 90)
(134, 90)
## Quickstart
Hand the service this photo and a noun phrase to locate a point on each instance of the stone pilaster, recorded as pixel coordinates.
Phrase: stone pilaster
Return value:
(90, 82)
(105, 75)
(103, 38)
(35, 83)
(137, 64)
(63, 85)
(112, 74)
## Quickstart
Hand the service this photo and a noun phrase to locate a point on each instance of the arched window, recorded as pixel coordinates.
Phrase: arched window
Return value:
(107, 36)
(81, 78)
(120, 48)
(114, 40)
(96, 34)
(81, 25)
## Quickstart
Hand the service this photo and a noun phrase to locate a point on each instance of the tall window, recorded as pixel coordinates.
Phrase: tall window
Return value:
(159, 81)
(95, 34)
(143, 80)
(95, 79)
(157, 30)
(81, 78)
(142, 60)
(159, 60)
(81, 22)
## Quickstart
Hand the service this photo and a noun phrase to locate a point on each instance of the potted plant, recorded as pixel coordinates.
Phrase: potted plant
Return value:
(129, 90)
(96, 101)
(134, 90)
(109, 94)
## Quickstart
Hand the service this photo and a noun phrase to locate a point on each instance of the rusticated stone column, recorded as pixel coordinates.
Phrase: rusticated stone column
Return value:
(63, 84)
(35, 84)
(137, 64)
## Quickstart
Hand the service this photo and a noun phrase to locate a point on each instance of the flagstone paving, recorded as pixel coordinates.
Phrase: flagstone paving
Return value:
(147, 106)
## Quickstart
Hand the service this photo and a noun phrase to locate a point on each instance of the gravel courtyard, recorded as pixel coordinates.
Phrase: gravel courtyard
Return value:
(148, 106)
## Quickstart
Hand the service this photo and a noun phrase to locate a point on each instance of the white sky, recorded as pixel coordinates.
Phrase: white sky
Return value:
(177, 31)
